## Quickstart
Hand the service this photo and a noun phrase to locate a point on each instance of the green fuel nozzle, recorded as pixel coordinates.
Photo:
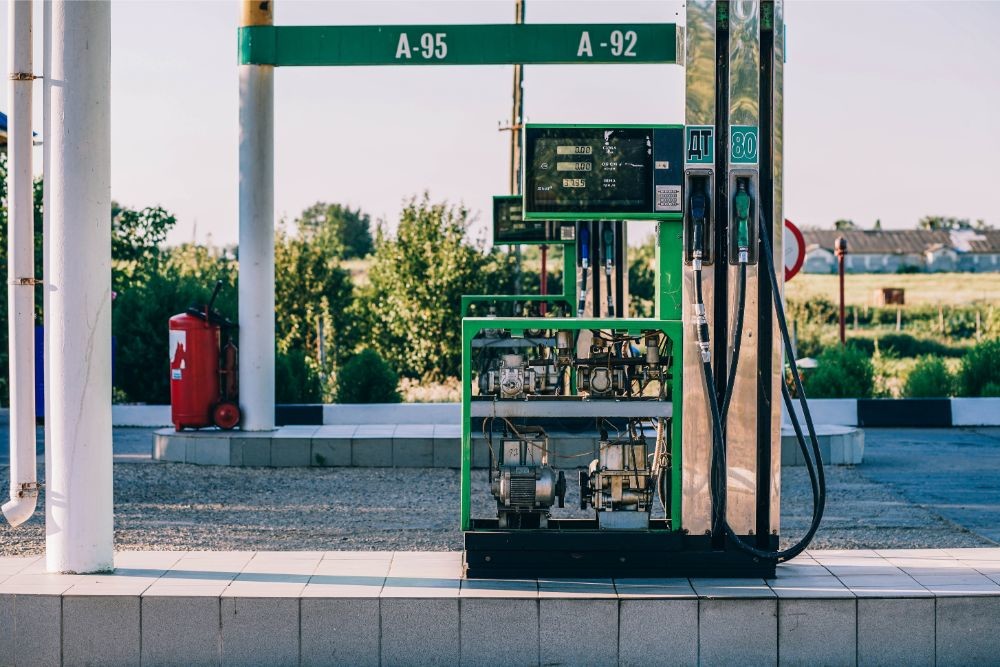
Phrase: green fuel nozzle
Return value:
(741, 203)
(608, 245)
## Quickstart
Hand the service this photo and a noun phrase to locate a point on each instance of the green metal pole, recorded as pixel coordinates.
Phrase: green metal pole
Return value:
(669, 264)
(466, 491)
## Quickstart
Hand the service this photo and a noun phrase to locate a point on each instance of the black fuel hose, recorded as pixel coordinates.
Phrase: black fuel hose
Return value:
(814, 460)
(741, 303)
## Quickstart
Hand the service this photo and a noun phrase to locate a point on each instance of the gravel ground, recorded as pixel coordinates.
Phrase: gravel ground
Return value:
(187, 507)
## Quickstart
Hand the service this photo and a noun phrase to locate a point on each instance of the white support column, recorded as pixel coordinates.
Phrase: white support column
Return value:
(78, 498)
(21, 268)
(256, 251)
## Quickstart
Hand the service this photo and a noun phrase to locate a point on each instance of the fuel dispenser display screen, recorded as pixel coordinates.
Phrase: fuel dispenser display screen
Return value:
(602, 172)
(509, 225)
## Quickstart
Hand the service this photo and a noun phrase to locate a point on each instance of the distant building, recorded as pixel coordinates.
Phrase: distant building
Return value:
(889, 251)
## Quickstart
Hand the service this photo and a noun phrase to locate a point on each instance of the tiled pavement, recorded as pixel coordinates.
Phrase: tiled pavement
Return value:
(921, 606)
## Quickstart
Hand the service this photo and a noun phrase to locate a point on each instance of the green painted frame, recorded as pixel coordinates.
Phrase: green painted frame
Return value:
(673, 329)
(568, 295)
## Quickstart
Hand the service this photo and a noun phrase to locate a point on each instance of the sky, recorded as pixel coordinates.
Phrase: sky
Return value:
(892, 110)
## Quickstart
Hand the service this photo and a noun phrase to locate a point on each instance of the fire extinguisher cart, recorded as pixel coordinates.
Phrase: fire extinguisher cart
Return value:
(203, 369)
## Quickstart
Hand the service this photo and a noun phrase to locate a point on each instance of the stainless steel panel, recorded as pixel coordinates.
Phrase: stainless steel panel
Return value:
(741, 428)
(696, 441)
(557, 408)
(777, 96)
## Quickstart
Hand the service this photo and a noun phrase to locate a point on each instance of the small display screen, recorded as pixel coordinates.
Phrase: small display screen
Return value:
(589, 170)
(509, 225)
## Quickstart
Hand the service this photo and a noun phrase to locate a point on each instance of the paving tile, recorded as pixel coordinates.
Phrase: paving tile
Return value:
(964, 590)
(15, 564)
(803, 588)
(817, 632)
(510, 589)
(447, 452)
(330, 451)
(915, 553)
(251, 451)
(895, 632)
(416, 452)
(335, 431)
(420, 587)
(30, 629)
(968, 578)
(976, 553)
(499, 631)
(379, 431)
(6, 630)
(281, 556)
(187, 590)
(358, 555)
(168, 447)
(414, 431)
(731, 588)
(147, 560)
(983, 566)
(260, 631)
(291, 452)
(653, 588)
(658, 632)
(340, 632)
(371, 568)
(266, 589)
(578, 632)
(207, 451)
(967, 630)
(738, 632)
(181, 630)
(576, 588)
(420, 632)
(371, 452)
(100, 630)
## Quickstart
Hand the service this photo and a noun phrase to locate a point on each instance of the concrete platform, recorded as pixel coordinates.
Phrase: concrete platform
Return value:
(913, 607)
(393, 445)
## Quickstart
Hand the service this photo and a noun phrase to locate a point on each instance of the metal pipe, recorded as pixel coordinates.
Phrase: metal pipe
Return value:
(543, 278)
(78, 500)
(840, 247)
(256, 249)
(21, 269)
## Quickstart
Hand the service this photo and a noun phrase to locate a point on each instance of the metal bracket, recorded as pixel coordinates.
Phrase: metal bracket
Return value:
(27, 281)
(23, 76)
(29, 489)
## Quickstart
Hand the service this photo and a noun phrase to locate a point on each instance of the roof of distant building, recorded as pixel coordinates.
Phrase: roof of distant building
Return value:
(904, 241)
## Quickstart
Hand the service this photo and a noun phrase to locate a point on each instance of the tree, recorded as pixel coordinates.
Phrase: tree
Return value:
(642, 278)
(941, 223)
(844, 224)
(136, 236)
(313, 290)
(878, 225)
(340, 230)
(417, 280)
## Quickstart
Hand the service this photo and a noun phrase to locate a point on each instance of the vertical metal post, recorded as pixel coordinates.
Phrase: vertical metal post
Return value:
(21, 269)
(256, 249)
(543, 278)
(78, 499)
(516, 123)
(840, 247)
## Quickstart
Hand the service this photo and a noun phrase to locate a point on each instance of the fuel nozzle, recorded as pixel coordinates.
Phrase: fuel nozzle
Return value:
(608, 252)
(608, 247)
(741, 204)
(583, 238)
(699, 214)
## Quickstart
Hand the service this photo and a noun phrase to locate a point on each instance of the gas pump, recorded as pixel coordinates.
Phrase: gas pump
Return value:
(677, 417)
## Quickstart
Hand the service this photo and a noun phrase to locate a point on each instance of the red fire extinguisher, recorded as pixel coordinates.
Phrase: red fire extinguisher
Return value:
(203, 369)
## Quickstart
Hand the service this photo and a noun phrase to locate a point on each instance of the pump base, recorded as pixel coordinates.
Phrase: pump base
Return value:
(577, 548)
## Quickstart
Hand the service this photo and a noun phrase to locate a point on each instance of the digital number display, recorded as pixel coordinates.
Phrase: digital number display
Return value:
(602, 172)
(574, 166)
(509, 225)
(619, 174)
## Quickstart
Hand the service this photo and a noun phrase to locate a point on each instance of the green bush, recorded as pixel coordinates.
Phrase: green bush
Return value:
(368, 378)
(980, 372)
(930, 378)
(295, 381)
(817, 311)
(841, 372)
(905, 345)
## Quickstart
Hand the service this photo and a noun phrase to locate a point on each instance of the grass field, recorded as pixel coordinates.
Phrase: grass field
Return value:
(946, 289)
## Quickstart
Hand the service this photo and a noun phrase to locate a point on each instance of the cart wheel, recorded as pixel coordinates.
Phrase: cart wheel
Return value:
(226, 416)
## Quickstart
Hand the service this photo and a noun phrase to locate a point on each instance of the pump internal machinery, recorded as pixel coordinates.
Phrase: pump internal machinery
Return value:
(614, 444)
